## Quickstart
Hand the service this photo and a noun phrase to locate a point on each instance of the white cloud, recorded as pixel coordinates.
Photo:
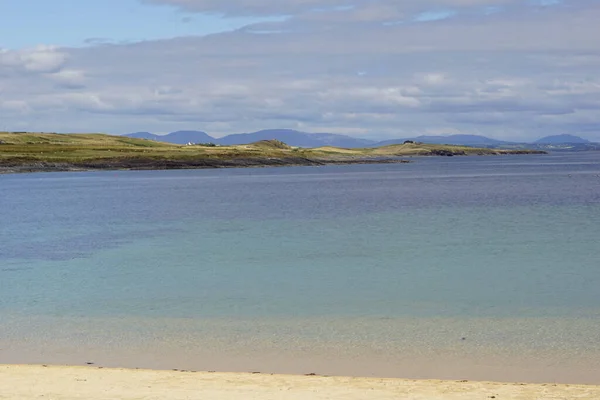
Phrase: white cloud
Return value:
(39, 59)
(433, 78)
(504, 75)
(69, 78)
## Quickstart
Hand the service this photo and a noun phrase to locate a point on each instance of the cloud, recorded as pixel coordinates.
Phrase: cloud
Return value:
(433, 78)
(69, 78)
(39, 59)
(12, 106)
(330, 66)
(295, 7)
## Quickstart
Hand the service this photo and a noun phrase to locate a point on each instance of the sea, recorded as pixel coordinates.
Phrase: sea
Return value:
(484, 268)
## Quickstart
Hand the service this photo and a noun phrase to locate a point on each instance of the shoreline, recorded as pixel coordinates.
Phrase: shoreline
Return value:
(152, 165)
(212, 163)
(535, 350)
(37, 152)
(95, 383)
(409, 364)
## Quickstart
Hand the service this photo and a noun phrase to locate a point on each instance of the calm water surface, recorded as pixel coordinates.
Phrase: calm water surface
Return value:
(456, 259)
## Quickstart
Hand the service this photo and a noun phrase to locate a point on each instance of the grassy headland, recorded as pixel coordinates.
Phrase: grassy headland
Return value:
(29, 152)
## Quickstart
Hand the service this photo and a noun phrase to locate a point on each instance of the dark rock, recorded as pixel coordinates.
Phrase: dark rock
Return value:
(447, 153)
(198, 163)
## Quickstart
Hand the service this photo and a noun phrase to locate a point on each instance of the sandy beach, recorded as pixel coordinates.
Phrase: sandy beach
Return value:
(94, 383)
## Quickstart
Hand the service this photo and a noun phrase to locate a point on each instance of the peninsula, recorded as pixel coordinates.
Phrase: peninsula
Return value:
(47, 152)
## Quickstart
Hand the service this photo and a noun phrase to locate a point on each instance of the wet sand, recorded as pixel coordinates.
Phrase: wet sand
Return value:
(563, 351)
(94, 383)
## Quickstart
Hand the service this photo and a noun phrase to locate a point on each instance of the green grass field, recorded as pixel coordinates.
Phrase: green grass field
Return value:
(94, 150)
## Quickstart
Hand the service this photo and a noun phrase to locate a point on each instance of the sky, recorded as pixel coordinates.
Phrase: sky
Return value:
(378, 69)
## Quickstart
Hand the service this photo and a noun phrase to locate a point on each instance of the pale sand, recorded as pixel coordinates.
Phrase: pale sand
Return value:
(93, 383)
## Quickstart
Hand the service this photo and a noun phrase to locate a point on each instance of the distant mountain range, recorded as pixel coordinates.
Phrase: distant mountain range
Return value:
(288, 136)
(463, 140)
(562, 139)
(179, 137)
(304, 139)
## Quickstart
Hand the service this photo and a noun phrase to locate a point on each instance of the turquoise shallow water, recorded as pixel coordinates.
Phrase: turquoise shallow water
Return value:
(491, 258)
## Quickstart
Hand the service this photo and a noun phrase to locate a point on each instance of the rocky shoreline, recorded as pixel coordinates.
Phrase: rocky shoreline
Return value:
(204, 163)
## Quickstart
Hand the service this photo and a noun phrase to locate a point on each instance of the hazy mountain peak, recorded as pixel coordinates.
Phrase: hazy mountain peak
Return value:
(178, 137)
(296, 138)
(560, 139)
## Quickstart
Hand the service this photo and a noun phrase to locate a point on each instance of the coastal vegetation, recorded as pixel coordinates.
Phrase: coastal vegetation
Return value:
(27, 152)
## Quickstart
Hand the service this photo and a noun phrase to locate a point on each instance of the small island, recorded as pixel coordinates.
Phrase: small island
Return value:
(51, 152)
